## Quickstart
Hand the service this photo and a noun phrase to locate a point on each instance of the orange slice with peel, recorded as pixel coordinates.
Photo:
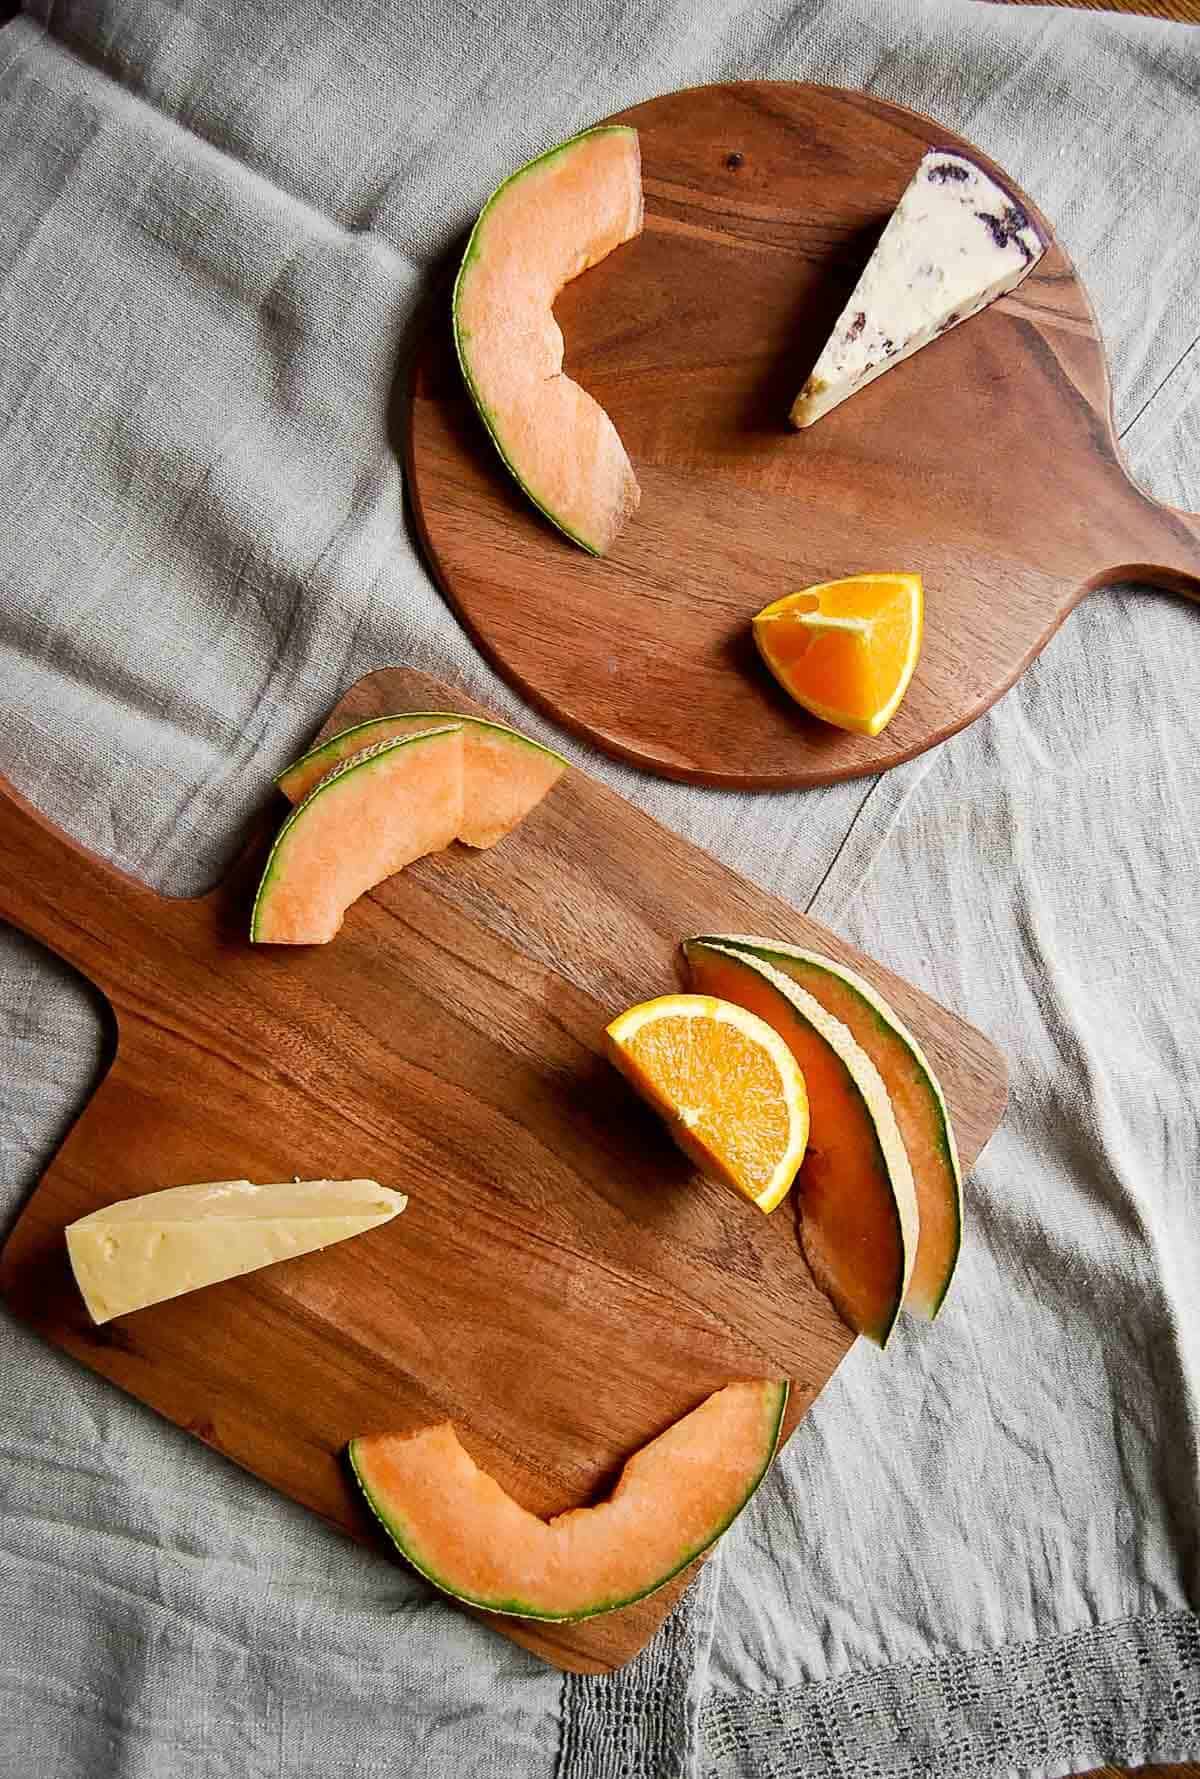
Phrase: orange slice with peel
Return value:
(727, 1085)
(846, 650)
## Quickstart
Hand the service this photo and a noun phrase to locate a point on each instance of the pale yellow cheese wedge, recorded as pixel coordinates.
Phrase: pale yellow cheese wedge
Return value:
(144, 1250)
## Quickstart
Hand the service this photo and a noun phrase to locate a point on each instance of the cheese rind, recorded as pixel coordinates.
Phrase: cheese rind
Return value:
(143, 1250)
(956, 241)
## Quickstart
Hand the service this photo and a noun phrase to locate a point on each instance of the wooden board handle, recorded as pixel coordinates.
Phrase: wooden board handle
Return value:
(66, 897)
(1177, 568)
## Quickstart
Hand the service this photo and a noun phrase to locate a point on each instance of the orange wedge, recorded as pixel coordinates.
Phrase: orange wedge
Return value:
(846, 650)
(727, 1085)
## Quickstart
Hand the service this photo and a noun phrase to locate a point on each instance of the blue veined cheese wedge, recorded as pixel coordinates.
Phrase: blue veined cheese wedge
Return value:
(144, 1250)
(957, 240)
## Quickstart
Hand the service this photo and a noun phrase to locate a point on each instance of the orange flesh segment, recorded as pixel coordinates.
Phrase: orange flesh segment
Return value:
(377, 816)
(504, 776)
(917, 1117)
(674, 1497)
(854, 678)
(506, 780)
(548, 224)
(723, 1095)
(849, 1228)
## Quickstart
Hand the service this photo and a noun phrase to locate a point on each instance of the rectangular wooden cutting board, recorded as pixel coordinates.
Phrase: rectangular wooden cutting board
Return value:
(561, 1285)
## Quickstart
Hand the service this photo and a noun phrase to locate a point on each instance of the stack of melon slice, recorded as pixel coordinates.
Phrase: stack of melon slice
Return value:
(375, 797)
(879, 1190)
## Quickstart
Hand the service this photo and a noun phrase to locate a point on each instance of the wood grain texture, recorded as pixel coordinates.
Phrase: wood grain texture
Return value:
(988, 462)
(1182, 12)
(560, 1285)
(1187, 1771)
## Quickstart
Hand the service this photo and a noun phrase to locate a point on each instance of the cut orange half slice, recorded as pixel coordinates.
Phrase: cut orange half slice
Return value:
(846, 650)
(727, 1085)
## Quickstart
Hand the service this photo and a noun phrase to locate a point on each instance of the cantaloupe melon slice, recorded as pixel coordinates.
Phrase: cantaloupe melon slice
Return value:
(368, 818)
(916, 1096)
(857, 1206)
(555, 217)
(675, 1497)
(505, 773)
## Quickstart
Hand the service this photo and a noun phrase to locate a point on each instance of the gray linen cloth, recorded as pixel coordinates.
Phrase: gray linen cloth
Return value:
(979, 1554)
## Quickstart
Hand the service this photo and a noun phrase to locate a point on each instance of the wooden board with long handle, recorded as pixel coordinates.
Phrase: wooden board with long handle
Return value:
(561, 1284)
(988, 461)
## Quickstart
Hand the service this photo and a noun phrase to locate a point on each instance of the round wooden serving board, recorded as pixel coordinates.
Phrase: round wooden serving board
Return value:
(988, 461)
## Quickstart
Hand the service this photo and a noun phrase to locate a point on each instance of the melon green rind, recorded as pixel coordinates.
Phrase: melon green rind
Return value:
(396, 1533)
(894, 1032)
(873, 1093)
(357, 762)
(346, 742)
(461, 335)
(403, 1539)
